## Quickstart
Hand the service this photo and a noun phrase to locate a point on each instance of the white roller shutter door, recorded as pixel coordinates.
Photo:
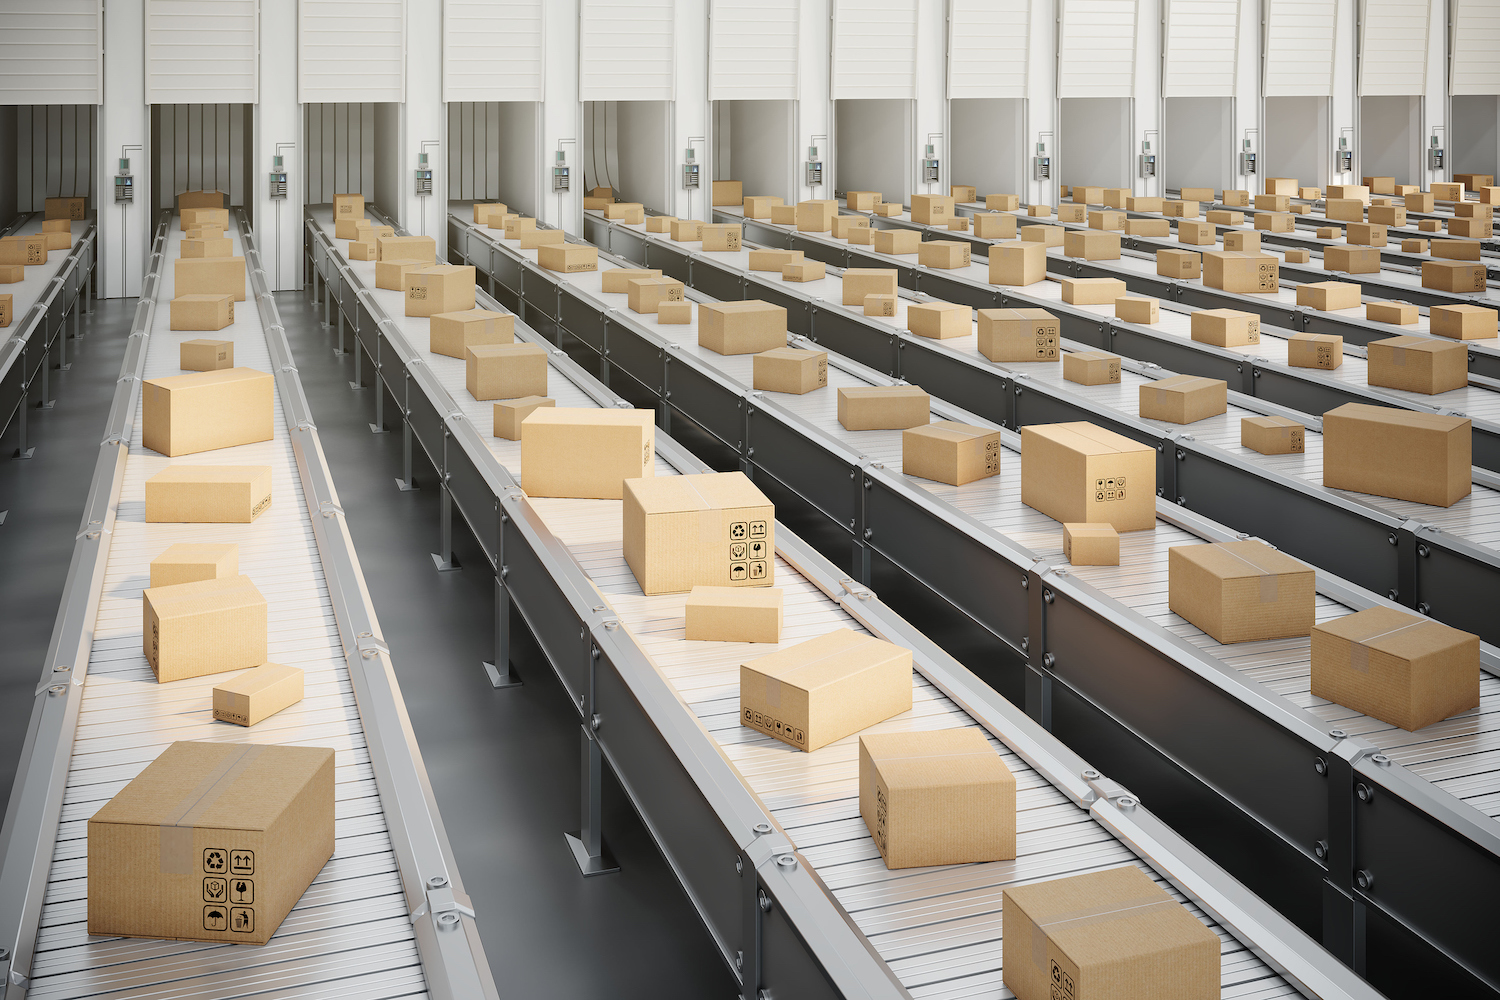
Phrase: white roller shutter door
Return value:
(52, 53)
(1299, 48)
(351, 51)
(492, 50)
(627, 50)
(989, 48)
(874, 50)
(1476, 47)
(1393, 48)
(753, 50)
(1202, 48)
(1097, 49)
(202, 51)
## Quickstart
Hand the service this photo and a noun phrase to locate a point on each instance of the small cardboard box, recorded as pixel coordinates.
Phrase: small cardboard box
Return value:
(629, 212)
(1388, 215)
(1047, 236)
(722, 238)
(567, 258)
(205, 411)
(1081, 472)
(1157, 229)
(616, 280)
(1315, 350)
(1447, 192)
(348, 206)
(661, 223)
(1107, 220)
(949, 452)
(1380, 185)
(1073, 213)
(813, 216)
(1474, 182)
(12, 273)
(768, 260)
(862, 201)
(205, 355)
(26, 250)
(1108, 935)
(222, 247)
(941, 797)
(1464, 322)
(1197, 194)
(1275, 222)
(510, 413)
(1326, 296)
(1422, 457)
(390, 274)
(681, 532)
(1137, 309)
(1400, 668)
(1430, 225)
(896, 242)
(343, 229)
(804, 270)
(1417, 364)
(1088, 195)
(674, 313)
(963, 193)
(257, 694)
(1395, 313)
(602, 192)
(211, 842)
(1091, 244)
(1225, 327)
(994, 225)
(1002, 202)
(1185, 264)
(1241, 591)
(204, 627)
(362, 250)
(515, 225)
(746, 327)
(210, 276)
(423, 248)
(825, 689)
(538, 238)
(1294, 256)
(728, 193)
(192, 218)
(202, 312)
(1091, 368)
(883, 407)
(931, 209)
(1247, 273)
(1180, 209)
(1091, 544)
(880, 305)
(1466, 228)
(759, 206)
(452, 334)
(482, 210)
(790, 369)
(1365, 234)
(1092, 291)
(1018, 335)
(733, 614)
(1462, 210)
(1183, 399)
(1242, 241)
(861, 281)
(1273, 435)
(940, 320)
(1039, 211)
(74, 209)
(1236, 198)
(1221, 217)
(946, 254)
(505, 371)
(1153, 205)
(1344, 210)
(586, 453)
(1197, 234)
(1310, 193)
(781, 215)
(1351, 260)
(590, 204)
(1456, 249)
(208, 494)
(1350, 192)
(888, 210)
(440, 288)
(189, 562)
(842, 225)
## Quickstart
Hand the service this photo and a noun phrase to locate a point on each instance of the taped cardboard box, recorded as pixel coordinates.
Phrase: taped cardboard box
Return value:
(568, 258)
(722, 238)
(733, 614)
(1474, 182)
(940, 320)
(1464, 228)
(1116, 197)
(861, 281)
(64, 241)
(1088, 195)
(897, 242)
(616, 280)
(746, 327)
(1464, 322)
(1091, 368)
(1179, 263)
(538, 238)
(674, 313)
(963, 193)
(1198, 234)
(883, 407)
(439, 288)
(1002, 202)
(205, 355)
(1047, 236)
(1138, 309)
(1018, 335)
(1395, 313)
(790, 369)
(1221, 217)
(631, 213)
(204, 627)
(1365, 234)
(1403, 669)
(1241, 591)
(1349, 192)
(1326, 296)
(1273, 435)
(1282, 185)
(1315, 350)
(27, 250)
(1236, 198)
(515, 225)
(682, 532)
(1242, 241)
(74, 209)
(210, 276)
(190, 562)
(586, 453)
(1180, 209)
(1417, 364)
(1293, 256)
(949, 452)
(346, 206)
(1092, 291)
(1246, 273)
(1159, 229)
(1039, 211)
(1388, 215)
(482, 210)
(880, 305)
(453, 333)
(1379, 450)
(192, 218)
(941, 797)
(862, 201)
(769, 260)
(1091, 544)
(1153, 205)
(391, 274)
(1447, 192)
(208, 494)
(1456, 249)
(257, 694)
(994, 225)
(1183, 399)
(205, 411)
(804, 270)
(943, 254)
(759, 206)
(1091, 245)
(212, 842)
(202, 312)
(931, 209)
(1080, 472)
(1379, 185)
(814, 216)
(1225, 327)
(1462, 210)
(1352, 260)
(511, 413)
(825, 689)
(1275, 222)
(505, 371)
(1310, 193)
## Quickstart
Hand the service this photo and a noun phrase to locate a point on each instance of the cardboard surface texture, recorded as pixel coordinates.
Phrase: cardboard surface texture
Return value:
(896, 242)
(208, 493)
(804, 270)
(1241, 591)
(1021, 263)
(1018, 335)
(1047, 236)
(790, 369)
(1394, 313)
(210, 276)
(994, 225)
(568, 258)
(1417, 364)
(452, 334)
(861, 281)
(505, 371)
(1179, 263)
(585, 452)
(733, 614)
(204, 411)
(880, 305)
(1092, 291)
(204, 627)
(645, 295)
(883, 407)
(1453, 276)
(510, 413)
(257, 694)
(1352, 260)
(1091, 244)
(189, 562)
(750, 326)
(1422, 457)
(1329, 295)
(1081, 472)
(440, 288)
(422, 248)
(1225, 327)
(940, 320)
(1315, 350)
(1091, 368)
(202, 312)
(1138, 309)
(765, 260)
(682, 532)
(1464, 322)
(1183, 399)
(221, 247)
(949, 452)
(1241, 272)
(1091, 544)
(722, 238)
(1273, 435)
(943, 254)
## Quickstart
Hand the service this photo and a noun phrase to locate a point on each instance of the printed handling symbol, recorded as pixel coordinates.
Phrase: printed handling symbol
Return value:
(214, 890)
(738, 530)
(214, 859)
(242, 862)
(215, 918)
(242, 920)
(242, 890)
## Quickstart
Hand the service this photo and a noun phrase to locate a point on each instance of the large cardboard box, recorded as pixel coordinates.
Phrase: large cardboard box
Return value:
(1379, 185)
(1241, 591)
(505, 371)
(841, 226)
(749, 326)
(1198, 234)
(1275, 222)
(1180, 209)
(208, 494)
(1315, 350)
(1248, 273)
(1418, 202)
(202, 312)
(1388, 215)
(440, 288)
(1464, 228)
(814, 216)
(1464, 322)
(931, 209)
(1109, 935)
(211, 842)
(257, 694)
(1400, 668)
(1474, 182)
(1116, 197)
(804, 270)
(406, 248)
(1462, 210)
(511, 413)
(733, 614)
(1047, 236)
(1184, 264)
(26, 250)
(896, 242)
(1273, 435)
(10, 274)
(1201, 194)
(616, 280)
(1453, 275)
(205, 355)
(1088, 195)
(210, 276)
(1091, 544)
(222, 247)
(1221, 217)
(883, 407)
(940, 320)
(1456, 249)
(825, 689)
(1345, 210)
(1395, 313)
(1417, 364)
(1073, 213)
(1352, 260)
(862, 201)
(1422, 457)
(949, 452)
(995, 225)
(204, 411)
(645, 295)
(1237, 198)
(682, 532)
(628, 212)
(1365, 234)
(204, 627)
(1080, 472)
(861, 281)
(722, 238)
(880, 305)
(944, 253)
(6, 308)
(1156, 229)
(586, 453)
(453, 333)
(1002, 202)
(1153, 205)
(1225, 327)
(390, 274)
(1138, 309)
(1447, 192)
(1017, 335)
(65, 208)
(1091, 367)
(189, 562)
(1183, 399)
(759, 206)
(1091, 245)
(538, 238)
(963, 193)
(1092, 291)
(192, 218)
(790, 369)
(568, 258)
(1349, 192)
(1326, 296)
(728, 193)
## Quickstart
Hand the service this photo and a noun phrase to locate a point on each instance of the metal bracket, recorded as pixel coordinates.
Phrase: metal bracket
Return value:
(328, 509)
(1108, 790)
(370, 647)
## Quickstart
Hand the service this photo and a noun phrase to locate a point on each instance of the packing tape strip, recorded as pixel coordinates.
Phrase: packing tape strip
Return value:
(708, 528)
(177, 854)
(1268, 579)
(1090, 915)
(1359, 649)
(773, 684)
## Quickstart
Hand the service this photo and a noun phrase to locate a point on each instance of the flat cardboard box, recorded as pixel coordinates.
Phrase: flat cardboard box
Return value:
(781, 215)
(439, 288)
(880, 305)
(1091, 245)
(1388, 215)
(205, 355)
(1197, 234)
(1395, 313)
(1002, 202)
(1275, 222)
(1246, 273)
(1326, 296)
(390, 274)
(1273, 435)
(1138, 309)
(883, 407)
(759, 206)
(897, 242)
(1403, 669)
(1294, 256)
(769, 260)
(1039, 211)
(722, 238)
(204, 627)
(937, 797)
(728, 193)
(1019, 335)
(1237, 198)
(1158, 229)
(1352, 260)
(1365, 234)
(1430, 225)
(1091, 367)
(1153, 205)
(452, 334)
(1073, 213)
(1183, 399)
(804, 270)
(568, 258)
(1092, 291)
(586, 453)
(505, 371)
(27, 250)
(74, 209)
(663, 223)
(1344, 209)
(1221, 217)
(1401, 454)
(482, 210)
(1225, 327)
(733, 614)
(628, 212)
(189, 562)
(943, 254)
(208, 494)
(963, 193)
(538, 238)
(842, 225)
(749, 326)
(192, 218)
(674, 313)
(1464, 322)
(1091, 544)
(940, 320)
(1447, 192)
(257, 694)
(210, 276)
(825, 689)
(205, 411)
(790, 369)
(202, 312)
(1184, 264)
(1349, 192)
(1106, 935)
(1241, 591)
(1417, 364)
(861, 281)
(681, 532)
(931, 209)
(1315, 350)
(686, 230)
(615, 280)
(222, 247)
(994, 225)
(1242, 241)
(1047, 236)
(1456, 249)
(949, 452)
(211, 842)
(1088, 195)
(510, 413)
(1080, 472)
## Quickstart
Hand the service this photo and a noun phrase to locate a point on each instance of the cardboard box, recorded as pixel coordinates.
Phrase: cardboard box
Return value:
(1247, 273)
(1456, 249)
(222, 247)
(963, 193)
(1310, 193)
(1185, 264)
(733, 614)
(202, 312)
(1220, 217)
(590, 204)
(896, 241)
(1197, 234)
(1018, 335)
(1047, 236)
(201, 199)
(1241, 591)
(724, 238)
(482, 210)
(1144, 204)
(1275, 222)
(746, 327)
(194, 217)
(1403, 669)
(861, 236)
(210, 276)
(1315, 350)
(937, 797)
(64, 241)
(257, 694)
(1430, 225)
(790, 369)
(1417, 364)
(674, 313)
(1092, 291)
(1091, 544)
(208, 494)
(1137, 309)
(940, 320)
(510, 413)
(883, 407)
(1183, 399)
(816, 216)
(1380, 185)
(1242, 241)
(615, 280)
(1080, 472)
(1463, 322)
(712, 530)
(825, 689)
(1453, 276)
(1474, 182)
(1349, 192)
(1365, 234)
(568, 258)
(1447, 192)
(1422, 457)
(1236, 198)
(1116, 197)
(861, 281)
(781, 215)
(515, 225)
(205, 411)
(862, 201)
(663, 223)
(12, 273)
(1091, 245)
(1108, 935)
(1388, 215)
(771, 260)
(423, 248)
(75, 209)
(1273, 435)
(943, 254)
(343, 229)
(366, 231)
(1292, 256)
(1039, 211)
(759, 206)
(804, 270)
(1326, 296)
(1200, 194)
(204, 627)
(1002, 202)
(1462, 210)
(1351, 260)
(1091, 368)
(1344, 209)
(880, 305)
(348, 206)
(505, 371)
(958, 224)
(994, 225)
(440, 288)
(1159, 229)
(361, 250)
(728, 193)
(840, 225)
(1225, 327)
(538, 238)
(1272, 202)
(452, 334)
(25, 250)
(1395, 313)
(931, 209)
(1088, 195)
(949, 452)
(189, 562)
(602, 192)
(205, 355)
(391, 274)
(686, 231)
(1073, 213)
(586, 453)
(1406, 189)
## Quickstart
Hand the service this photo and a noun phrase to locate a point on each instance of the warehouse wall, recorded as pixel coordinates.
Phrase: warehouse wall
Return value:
(1475, 135)
(493, 153)
(339, 145)
(389, 177)
(54, 153)
(1095, 145)
(639, 156)
(989, 150)
(8, 164)
(1297, 140)
(1197, 146)
(755, 143)
(199, 147)
(1390, 142)
(876, 148)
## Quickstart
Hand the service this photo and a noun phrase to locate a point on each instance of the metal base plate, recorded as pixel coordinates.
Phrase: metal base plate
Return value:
(18, 453)
(604, 864)
(377, 429)
(510, 680)
(449, 565)
(406, 487)
(356, 386)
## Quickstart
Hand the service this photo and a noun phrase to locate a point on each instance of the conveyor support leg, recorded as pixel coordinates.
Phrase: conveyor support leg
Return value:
(339, 351)
(408, 484)
(499, 670)
(23, 421)
(443, 558)
(359, 379)
(588, 843)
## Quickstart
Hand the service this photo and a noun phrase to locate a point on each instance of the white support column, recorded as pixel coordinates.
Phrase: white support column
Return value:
(1247, 102)
(814, 109)
(278, 132)
(1343, 116)
(1435, 103)
(424, 126)
(124, 130)
(688, 117)
(561, 116)
(930, 117)
(1041, 105)
(1147, 105)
